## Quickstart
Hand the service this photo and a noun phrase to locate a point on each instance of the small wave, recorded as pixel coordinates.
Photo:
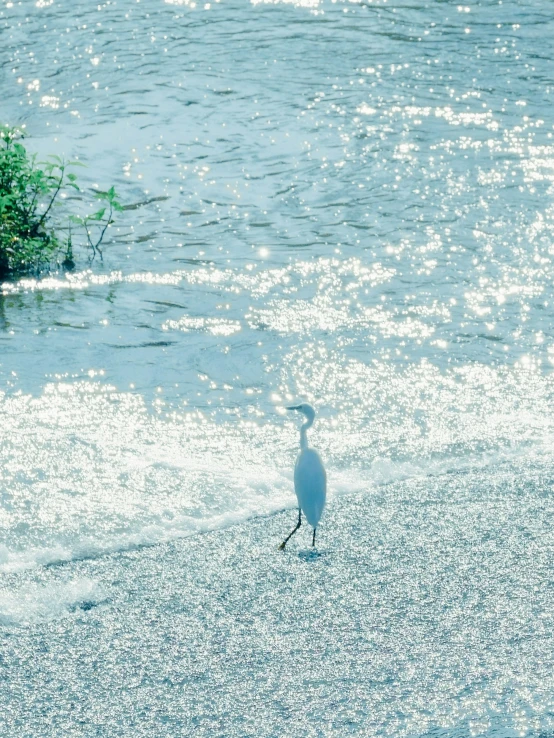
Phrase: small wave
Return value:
(261, 500)
(35, 603)
(13, 561)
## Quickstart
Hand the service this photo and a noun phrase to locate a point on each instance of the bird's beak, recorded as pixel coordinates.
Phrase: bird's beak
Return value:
(293, 407)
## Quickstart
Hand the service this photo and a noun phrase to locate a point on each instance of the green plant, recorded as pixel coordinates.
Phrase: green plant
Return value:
(99, 219)
(34, 236)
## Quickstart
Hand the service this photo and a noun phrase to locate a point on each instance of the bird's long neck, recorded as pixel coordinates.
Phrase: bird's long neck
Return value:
(303, 435)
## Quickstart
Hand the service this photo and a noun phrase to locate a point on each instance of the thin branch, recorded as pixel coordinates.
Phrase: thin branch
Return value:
(58, 188)
(104, 231)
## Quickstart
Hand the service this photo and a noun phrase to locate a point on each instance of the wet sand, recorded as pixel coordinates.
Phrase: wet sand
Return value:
(426, 609)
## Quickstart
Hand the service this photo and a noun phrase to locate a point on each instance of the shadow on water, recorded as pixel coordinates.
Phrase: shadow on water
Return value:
(86, 605)
(3, 320)
(311, 554)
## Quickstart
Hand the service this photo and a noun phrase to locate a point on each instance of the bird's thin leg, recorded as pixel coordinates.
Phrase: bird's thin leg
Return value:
(313, 539)
(290, 535)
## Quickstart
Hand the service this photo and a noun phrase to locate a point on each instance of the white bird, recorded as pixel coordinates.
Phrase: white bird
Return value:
(310, 480)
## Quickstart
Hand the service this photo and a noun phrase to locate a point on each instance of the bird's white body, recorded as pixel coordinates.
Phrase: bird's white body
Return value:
(310, 485)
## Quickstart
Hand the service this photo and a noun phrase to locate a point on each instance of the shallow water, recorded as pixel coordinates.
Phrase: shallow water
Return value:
(345, 202)
(426, 612)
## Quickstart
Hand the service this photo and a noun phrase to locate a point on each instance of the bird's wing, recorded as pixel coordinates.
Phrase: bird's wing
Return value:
(310, 484)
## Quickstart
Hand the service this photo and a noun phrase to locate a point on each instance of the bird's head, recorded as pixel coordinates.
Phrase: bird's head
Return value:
(306, 409)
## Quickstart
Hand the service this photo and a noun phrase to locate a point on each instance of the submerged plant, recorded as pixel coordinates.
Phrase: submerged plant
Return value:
(33, 236)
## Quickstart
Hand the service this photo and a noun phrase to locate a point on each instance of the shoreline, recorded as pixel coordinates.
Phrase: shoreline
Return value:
(404, 622)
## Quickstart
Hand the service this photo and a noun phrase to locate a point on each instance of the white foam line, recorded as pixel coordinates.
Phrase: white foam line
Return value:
(381, 472)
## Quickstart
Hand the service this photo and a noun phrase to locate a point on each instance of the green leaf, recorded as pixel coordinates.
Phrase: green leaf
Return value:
(35, 225)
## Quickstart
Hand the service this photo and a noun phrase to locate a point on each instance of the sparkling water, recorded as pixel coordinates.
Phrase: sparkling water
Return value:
(348, 203)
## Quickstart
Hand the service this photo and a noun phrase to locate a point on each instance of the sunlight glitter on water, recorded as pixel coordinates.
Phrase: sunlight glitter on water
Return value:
(348, 203)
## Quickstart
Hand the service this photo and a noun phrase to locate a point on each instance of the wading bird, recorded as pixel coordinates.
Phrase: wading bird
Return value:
(310, 480)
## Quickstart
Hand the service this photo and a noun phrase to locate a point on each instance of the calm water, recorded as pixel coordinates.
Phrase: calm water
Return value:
(351, 203)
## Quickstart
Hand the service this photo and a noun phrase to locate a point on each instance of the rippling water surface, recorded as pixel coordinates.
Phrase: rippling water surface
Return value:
(347, 202)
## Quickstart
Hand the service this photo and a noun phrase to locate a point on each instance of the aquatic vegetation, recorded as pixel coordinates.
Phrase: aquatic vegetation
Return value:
(37, 233)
